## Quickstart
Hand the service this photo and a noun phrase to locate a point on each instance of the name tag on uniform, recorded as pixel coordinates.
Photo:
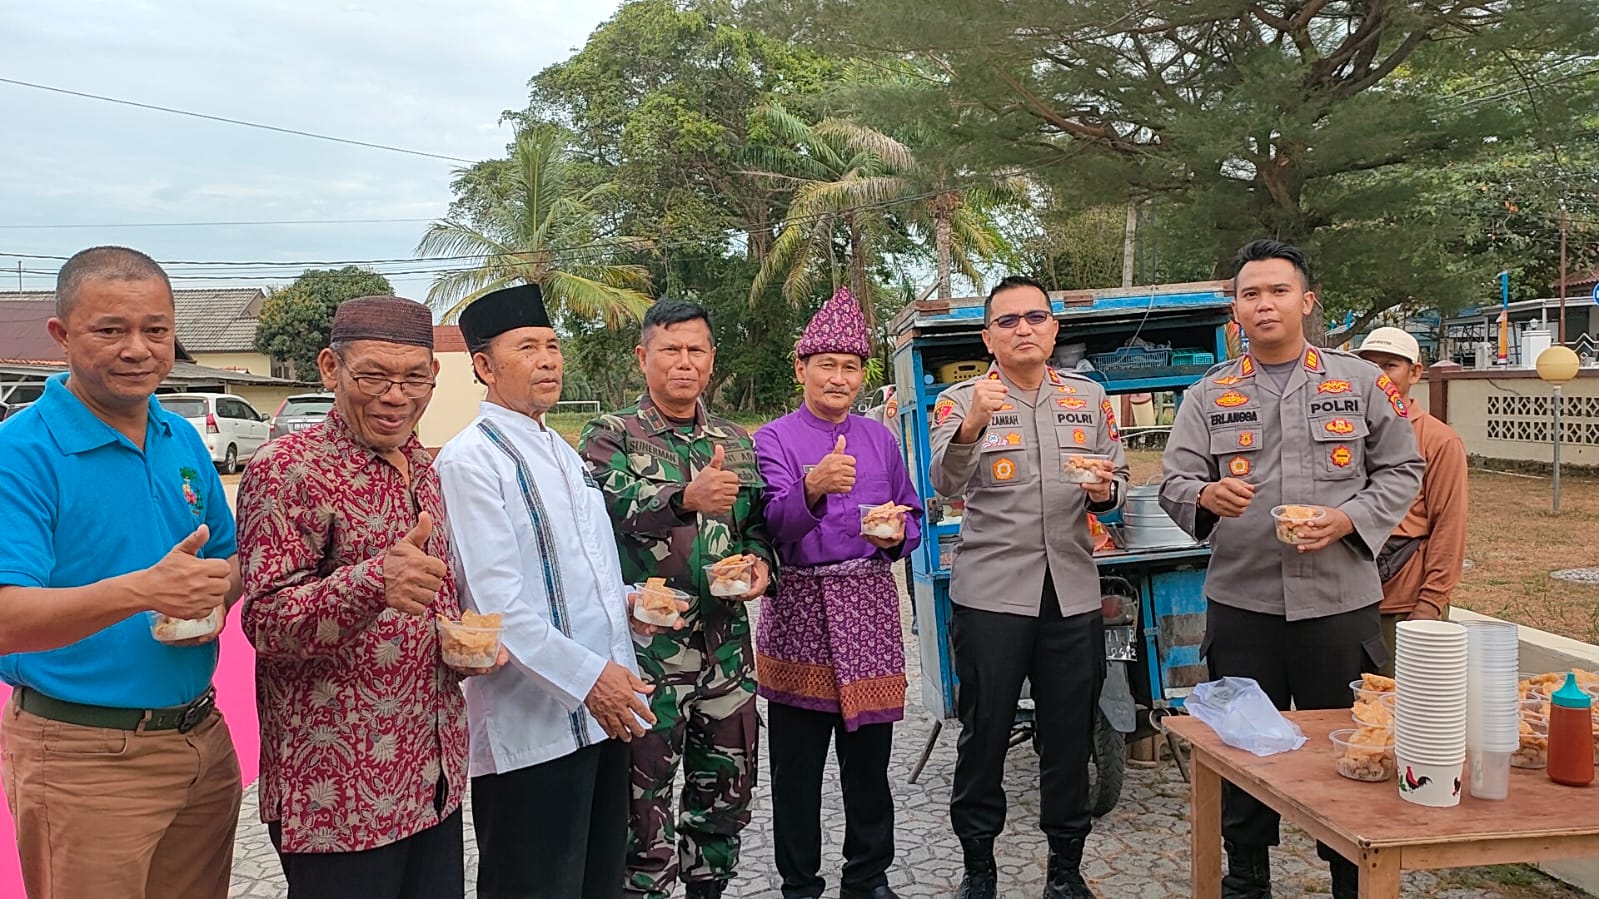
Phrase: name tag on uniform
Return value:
(1247, 416)
(1005, 420)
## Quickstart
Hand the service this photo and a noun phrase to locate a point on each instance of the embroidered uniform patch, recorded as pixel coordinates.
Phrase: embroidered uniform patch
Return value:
(942, 410)
(1246, 439)
(1340, 426)
(1239, 466)
(1078, 437)
(1341, 457)
(1110, 419)
(1004, 470)
(1231, 398)
(1333, 387)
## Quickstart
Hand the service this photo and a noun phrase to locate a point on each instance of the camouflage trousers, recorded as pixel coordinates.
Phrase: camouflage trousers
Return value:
(705, 720)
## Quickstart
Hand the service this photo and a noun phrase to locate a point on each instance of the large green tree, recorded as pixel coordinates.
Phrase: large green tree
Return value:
(295, 321)
(661, 100)
(528, 220)
(1308, 120)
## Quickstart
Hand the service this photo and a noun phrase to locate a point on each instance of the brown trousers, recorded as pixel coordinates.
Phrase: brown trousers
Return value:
(117, 814)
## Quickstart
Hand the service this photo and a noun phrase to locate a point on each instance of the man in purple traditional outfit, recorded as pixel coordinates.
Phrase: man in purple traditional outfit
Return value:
(829, 656)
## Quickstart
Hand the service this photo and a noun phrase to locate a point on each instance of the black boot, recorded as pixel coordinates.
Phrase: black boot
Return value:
(982, 877)
(1065, 881)
(1345, 878)
(704, 889)
(1248, 872)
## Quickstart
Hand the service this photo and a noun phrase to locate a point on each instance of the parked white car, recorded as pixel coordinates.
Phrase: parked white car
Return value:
(231, 428)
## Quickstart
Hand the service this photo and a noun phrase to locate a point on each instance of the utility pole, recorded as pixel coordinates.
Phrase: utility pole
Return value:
(1129, 241)
(1562, 338)
(19, 276)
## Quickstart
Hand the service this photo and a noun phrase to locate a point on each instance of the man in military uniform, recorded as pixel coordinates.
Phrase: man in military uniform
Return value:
(1023, 580)
(1289, 423)
(684, 491)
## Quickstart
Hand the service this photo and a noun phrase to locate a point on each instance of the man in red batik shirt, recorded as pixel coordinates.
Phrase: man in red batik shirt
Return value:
(346, 563)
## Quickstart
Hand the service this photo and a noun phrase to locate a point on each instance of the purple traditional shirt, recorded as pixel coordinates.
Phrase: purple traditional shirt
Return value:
(829, 639)
(790, 447)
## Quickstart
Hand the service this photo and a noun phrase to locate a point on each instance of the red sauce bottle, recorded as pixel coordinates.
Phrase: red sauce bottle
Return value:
(1570, 735)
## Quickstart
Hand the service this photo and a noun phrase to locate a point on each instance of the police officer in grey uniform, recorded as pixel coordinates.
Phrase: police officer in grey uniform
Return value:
(1289, 423)
(1023, 580)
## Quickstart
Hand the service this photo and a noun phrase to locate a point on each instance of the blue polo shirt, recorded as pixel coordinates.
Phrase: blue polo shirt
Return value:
(80, 503)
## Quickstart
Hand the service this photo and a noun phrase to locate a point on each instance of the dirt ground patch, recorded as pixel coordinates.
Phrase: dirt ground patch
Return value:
(1513, 542)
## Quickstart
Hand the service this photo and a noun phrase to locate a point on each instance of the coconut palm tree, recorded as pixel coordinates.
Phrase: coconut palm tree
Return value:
(858, 184)
(529, 222)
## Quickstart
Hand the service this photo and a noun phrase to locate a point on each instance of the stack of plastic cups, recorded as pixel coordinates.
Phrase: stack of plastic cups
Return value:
(1492, 706)
(1430, 711)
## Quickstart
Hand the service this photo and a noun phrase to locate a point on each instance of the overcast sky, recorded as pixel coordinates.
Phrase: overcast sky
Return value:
(428, 75)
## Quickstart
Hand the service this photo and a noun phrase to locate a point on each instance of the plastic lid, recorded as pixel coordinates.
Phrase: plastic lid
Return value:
(1570, 695)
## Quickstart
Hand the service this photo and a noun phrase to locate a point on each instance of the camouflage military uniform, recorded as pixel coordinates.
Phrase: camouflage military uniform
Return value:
(703, 675)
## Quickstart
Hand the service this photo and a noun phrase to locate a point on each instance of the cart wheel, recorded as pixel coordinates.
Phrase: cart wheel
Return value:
(1109, 767)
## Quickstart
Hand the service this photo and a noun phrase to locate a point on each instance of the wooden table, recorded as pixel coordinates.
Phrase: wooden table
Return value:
(1368, 823)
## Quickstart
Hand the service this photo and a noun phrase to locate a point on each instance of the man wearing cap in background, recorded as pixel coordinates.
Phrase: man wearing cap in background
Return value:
(1288, 423)
(1420, 564)
(684, 491)
(347, 561)
(1023, 581)
(533, 543)
(119, 772)
(830, 658)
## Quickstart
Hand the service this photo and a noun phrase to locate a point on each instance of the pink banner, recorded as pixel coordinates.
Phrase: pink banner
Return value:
(235, 682)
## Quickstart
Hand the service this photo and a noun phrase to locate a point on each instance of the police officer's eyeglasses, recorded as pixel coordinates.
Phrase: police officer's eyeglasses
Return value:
(1035, 318)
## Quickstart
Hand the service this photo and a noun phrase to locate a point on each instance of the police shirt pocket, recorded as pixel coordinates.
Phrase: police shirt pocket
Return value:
(1234, 450)
(1002, 466)
(1340, 443)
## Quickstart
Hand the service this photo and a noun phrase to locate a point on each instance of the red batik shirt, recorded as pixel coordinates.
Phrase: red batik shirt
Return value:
(359, 715)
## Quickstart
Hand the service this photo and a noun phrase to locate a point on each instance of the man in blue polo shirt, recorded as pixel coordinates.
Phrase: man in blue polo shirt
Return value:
(118, 770)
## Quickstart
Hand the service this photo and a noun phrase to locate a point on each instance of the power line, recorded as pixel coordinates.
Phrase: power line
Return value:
(230, 121)
(210, 224)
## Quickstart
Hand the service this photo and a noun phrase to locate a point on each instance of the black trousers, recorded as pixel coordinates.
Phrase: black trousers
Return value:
(797, 746)
(1064, 659)
(426, 865)
(556, 830)
(1304, 664)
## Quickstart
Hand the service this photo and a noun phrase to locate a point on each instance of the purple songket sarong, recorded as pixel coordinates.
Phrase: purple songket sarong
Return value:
(830, 641)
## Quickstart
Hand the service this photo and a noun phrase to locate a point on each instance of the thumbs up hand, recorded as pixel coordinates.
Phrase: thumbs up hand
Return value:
(411, 577)
(183, 585)
(834, 474)
(715, 489)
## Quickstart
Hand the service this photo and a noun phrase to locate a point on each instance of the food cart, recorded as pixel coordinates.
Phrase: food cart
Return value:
(1149, 340)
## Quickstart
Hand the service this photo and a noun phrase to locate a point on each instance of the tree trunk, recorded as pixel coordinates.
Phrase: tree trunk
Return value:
(858, 285)
(944, 206)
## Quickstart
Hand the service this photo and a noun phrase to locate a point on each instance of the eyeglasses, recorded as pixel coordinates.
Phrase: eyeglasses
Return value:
(371, 385)
(1034, 317)
(376, 385)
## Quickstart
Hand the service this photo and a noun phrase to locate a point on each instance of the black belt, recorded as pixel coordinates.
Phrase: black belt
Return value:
(182, 719)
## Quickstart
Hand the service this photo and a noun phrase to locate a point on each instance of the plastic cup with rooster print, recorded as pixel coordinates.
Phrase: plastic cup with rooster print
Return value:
(1427, 783)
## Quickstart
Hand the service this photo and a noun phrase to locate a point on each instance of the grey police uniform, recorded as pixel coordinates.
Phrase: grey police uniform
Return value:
(1023, 519)
(1026, 594)
(1301, 624)
(1337, 437)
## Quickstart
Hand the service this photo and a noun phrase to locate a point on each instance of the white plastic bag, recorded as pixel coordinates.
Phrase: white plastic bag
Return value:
(1241, 713)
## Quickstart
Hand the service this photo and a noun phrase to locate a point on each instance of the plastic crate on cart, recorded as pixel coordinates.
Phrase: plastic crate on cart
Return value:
(1192, 357)
(1131, 358)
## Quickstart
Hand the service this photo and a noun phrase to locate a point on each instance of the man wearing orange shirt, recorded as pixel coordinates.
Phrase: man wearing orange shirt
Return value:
(1420, 564)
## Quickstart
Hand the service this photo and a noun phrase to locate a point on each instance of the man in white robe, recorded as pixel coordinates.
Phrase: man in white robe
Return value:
(549, 761)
